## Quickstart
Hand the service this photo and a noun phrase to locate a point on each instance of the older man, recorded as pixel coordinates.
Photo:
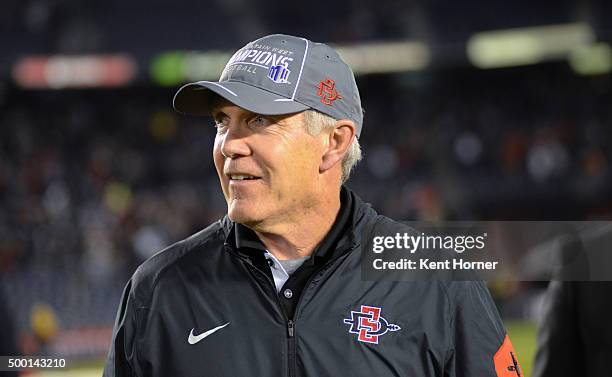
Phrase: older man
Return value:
(274, 288)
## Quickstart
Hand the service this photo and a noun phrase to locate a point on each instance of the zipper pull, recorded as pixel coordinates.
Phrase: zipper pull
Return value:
(290, 328)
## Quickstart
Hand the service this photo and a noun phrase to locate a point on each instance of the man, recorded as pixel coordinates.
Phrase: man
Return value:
(574, 332)
(274, 288)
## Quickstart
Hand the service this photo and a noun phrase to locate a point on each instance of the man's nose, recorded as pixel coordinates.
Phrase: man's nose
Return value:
(235, 142)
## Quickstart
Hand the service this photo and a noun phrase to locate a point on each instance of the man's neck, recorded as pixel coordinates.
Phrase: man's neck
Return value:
(299, 238)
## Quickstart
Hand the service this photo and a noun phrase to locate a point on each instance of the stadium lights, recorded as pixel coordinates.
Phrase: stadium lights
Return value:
(595, 59)
(525, 46)
(385, 57)
(60, 71)
(173, 68)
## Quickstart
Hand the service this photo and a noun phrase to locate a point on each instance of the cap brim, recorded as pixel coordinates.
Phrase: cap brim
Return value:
(196, 98)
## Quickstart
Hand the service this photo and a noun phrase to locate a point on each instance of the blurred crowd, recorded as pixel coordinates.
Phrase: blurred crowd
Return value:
(92, 182)
(90, 26)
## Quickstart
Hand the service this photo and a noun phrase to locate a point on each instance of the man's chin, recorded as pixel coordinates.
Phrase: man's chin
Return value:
(238, 213)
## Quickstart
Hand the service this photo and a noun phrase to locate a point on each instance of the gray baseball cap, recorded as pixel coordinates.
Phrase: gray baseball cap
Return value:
(280, 74)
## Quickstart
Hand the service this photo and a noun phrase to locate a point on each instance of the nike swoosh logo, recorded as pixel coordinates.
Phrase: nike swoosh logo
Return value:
(193, 339)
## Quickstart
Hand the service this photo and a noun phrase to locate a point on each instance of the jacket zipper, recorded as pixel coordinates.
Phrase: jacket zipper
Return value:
(291, 344)
(291, 352)
(290, 322)
(290, 328)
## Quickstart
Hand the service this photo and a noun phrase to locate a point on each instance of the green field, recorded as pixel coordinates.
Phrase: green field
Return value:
(523, 337)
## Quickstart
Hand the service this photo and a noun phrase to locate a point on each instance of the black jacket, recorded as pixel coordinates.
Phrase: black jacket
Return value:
(203, 291)
(575, 332)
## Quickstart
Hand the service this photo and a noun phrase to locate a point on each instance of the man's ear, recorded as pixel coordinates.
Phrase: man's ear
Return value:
(337, 144)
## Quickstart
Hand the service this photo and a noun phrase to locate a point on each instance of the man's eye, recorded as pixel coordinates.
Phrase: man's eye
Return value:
(220, 125)
(259, 120)
(218, 119)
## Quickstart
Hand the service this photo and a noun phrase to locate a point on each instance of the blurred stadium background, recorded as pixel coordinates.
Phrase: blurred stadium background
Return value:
(474, 110)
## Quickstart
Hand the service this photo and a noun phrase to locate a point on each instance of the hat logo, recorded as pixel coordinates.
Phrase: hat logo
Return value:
(279, 74)
(328, 92)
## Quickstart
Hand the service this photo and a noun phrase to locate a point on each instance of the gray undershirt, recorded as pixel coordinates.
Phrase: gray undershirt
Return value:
(290, 265)
(282, 269)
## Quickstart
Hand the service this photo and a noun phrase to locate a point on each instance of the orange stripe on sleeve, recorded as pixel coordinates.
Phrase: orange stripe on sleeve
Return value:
(506, 362)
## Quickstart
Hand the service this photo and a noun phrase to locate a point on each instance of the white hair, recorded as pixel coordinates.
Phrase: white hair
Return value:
(317, 122)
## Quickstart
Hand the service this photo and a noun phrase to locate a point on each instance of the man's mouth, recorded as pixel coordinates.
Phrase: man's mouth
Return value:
(242, 177)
